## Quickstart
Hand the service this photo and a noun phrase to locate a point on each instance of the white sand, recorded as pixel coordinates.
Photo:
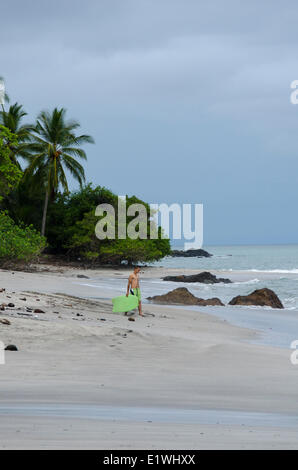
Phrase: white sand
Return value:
(178, 359)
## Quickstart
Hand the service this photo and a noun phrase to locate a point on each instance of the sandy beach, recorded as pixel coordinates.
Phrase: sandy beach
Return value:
(86, 378)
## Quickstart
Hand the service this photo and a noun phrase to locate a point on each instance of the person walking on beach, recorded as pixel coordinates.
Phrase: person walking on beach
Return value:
(134, 286)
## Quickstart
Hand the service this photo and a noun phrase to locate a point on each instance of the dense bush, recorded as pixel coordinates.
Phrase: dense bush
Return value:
(84, 243)
(18, 243)
(71, 229)
(68, 209)
(132, 251)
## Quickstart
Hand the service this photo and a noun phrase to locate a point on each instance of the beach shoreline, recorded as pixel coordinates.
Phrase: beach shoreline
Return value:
(177, 359)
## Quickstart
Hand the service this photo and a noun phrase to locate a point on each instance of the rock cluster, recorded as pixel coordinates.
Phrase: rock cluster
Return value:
(260, 297)
(181, 295)
(204, 277)
(199, 253)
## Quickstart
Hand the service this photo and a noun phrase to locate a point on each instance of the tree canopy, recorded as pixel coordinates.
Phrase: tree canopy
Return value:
(10, 173)
(35, 163)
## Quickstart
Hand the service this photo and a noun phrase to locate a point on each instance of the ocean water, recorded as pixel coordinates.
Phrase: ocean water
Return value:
(250, 268)
(281, 259)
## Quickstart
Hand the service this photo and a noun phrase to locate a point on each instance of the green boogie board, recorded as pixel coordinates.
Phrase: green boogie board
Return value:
(124, 304)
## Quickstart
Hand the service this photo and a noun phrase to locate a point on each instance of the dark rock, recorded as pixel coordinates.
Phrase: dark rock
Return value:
(260, 297)
(81, 276)
(10, 305)
(131, 319)
(198, 253)
(11, 347)
(24, 298)
(4, 321)
(211, 301)
(184, 297)
(38, 310)
(204, 277)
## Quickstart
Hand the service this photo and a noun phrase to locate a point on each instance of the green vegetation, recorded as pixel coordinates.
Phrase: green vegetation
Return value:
(79, 237)
(18, 243)
(10, 173)
(12, 120)
(34, 196)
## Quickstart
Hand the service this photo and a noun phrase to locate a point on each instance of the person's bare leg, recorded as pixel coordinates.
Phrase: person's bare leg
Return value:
(140, 309)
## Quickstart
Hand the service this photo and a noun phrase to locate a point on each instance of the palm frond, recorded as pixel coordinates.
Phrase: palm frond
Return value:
(53, 144)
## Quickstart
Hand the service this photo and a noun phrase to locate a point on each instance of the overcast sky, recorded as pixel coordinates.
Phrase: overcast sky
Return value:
(188, 101)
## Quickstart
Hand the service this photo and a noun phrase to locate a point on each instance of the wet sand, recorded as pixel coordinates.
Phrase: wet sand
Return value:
(79, 354)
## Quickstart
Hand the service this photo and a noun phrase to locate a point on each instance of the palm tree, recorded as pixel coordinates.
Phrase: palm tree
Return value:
(12, 120)
(54, 147)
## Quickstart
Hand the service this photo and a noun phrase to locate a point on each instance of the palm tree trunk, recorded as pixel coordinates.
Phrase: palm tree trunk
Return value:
(44, 216)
